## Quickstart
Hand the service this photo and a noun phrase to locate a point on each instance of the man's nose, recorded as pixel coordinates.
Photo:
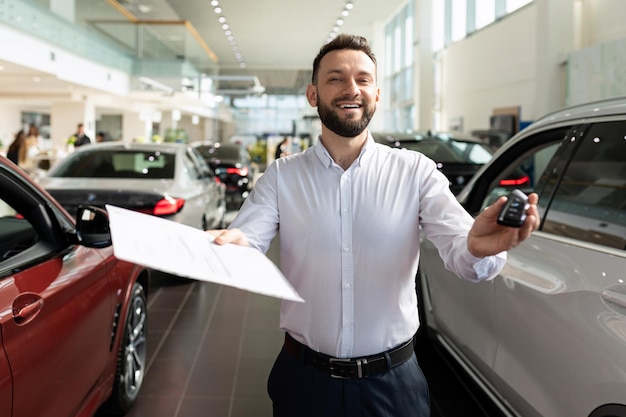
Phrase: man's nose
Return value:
(351, 88)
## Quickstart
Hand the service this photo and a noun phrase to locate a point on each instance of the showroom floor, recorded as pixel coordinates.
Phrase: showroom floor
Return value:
(211, 348)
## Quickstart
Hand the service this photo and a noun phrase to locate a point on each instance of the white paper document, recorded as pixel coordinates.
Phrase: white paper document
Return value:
(188, 252)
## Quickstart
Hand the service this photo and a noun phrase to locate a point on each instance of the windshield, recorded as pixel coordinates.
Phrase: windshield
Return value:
(116, 163)
(219, 152)
(451, 151)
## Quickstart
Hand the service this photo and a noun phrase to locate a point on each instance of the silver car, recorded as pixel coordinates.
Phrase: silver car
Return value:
(166, 180)
(547, 337)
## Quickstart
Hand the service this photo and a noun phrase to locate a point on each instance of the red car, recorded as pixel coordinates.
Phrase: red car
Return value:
(73, 318)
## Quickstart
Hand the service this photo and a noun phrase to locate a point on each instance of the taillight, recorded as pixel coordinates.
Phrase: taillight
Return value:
(239, 171)
(515, 181)
(168, 205)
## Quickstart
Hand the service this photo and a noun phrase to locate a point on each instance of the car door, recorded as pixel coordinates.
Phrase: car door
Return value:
(212, 196)
(560, 300)
(465, 313)
(56, 306)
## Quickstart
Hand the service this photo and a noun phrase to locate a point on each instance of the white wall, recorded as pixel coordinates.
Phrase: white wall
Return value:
(495, 67)
(522, 60)
(10, 117)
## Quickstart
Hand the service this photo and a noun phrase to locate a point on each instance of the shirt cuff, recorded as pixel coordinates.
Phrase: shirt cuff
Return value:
(488, 267)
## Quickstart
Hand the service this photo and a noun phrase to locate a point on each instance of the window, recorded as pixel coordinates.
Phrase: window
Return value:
(590, 201)
(512, 5)
(399, 69)
(524, 172)
(16, 233)
(484, 13)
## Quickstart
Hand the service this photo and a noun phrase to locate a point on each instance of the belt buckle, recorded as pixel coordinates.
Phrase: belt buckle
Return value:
(359, 366)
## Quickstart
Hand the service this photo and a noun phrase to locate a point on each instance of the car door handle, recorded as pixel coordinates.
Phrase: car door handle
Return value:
(615, 297)
(26, 307)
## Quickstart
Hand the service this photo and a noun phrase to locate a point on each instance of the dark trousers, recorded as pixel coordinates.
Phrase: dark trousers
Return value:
(301, 390)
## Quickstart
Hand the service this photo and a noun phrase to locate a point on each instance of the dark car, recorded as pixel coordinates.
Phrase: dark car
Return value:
(73, 316)
(234, 167)
(547, 336)
(167, 180)
(457, 156)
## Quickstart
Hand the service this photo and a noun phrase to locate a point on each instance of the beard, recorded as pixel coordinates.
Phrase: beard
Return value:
(349, 127)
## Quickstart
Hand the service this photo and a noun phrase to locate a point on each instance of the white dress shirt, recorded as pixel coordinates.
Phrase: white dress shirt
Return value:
(349, 242)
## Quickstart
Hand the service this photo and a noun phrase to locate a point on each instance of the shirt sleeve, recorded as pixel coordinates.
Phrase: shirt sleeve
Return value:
(258, 216)
(447, 224)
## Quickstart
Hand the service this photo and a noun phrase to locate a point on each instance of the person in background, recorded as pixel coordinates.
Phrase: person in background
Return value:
(100, 137)
(350, 213)
(81, 137)
(17, 149)
(281, 148)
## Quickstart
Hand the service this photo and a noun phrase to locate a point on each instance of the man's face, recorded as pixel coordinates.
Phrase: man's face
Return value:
(346, 93)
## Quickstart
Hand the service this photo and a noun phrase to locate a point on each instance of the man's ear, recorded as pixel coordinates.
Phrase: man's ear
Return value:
(311, 95)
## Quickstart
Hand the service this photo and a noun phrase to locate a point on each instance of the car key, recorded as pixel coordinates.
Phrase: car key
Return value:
(513, 213)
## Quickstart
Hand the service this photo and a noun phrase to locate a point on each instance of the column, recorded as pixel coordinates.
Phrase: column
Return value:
(65, 117)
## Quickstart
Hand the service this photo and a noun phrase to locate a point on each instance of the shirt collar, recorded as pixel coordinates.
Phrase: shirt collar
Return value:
(366, 152)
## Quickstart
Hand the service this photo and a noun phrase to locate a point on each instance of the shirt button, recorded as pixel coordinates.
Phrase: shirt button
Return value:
(347, 286)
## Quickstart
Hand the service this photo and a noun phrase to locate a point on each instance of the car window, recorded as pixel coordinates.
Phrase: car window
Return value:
(522, 173)
(590, 201)
(201, 162)
(191, 167)
(115, 163)
(16, 233)
(472, 152)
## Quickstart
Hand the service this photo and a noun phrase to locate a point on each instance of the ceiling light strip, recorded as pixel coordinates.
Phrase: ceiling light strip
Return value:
(221, 19)
(345, 12)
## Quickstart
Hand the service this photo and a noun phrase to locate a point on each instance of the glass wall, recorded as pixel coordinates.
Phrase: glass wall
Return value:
(452, 21)
(399, 61)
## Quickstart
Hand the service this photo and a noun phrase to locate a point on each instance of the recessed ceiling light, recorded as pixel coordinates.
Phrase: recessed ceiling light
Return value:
(144, 8)
(227, 31)
(345, 12)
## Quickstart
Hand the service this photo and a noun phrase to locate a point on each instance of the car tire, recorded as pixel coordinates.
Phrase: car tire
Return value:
(131, 362)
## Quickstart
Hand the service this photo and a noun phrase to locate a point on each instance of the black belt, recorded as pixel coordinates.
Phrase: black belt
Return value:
(350, 368)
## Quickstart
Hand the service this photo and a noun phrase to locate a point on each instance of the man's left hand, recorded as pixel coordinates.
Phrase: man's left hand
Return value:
(488, 238)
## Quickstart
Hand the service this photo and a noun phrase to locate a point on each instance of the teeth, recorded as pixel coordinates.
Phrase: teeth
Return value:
(349, 106)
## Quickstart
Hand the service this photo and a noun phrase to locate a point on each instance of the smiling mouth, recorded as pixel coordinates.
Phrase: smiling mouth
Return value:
(349, 106)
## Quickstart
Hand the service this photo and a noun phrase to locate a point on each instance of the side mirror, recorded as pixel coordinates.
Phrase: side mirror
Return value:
(92, 227)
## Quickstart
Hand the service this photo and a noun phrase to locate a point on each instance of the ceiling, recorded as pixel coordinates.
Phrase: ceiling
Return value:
(277, 39)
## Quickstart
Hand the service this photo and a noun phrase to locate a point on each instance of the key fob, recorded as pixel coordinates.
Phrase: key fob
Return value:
(513, 213)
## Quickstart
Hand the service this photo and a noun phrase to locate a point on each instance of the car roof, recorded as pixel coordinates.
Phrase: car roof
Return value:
(581, 112)
(163, 147)
(216, 145)
(425, 135)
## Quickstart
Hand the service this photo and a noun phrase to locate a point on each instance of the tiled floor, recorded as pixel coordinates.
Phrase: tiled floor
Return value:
(211, 349)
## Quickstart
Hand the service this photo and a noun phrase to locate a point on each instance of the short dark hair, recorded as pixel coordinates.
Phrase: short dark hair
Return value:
(342, 41)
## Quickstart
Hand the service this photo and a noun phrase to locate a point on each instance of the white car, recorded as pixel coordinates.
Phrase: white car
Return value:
(166, 180)
(547, 336)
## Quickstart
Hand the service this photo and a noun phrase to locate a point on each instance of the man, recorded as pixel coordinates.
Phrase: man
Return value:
(81, 137)
(349, 213)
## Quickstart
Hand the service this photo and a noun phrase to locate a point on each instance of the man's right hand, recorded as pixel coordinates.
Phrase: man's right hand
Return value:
(234, 236)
